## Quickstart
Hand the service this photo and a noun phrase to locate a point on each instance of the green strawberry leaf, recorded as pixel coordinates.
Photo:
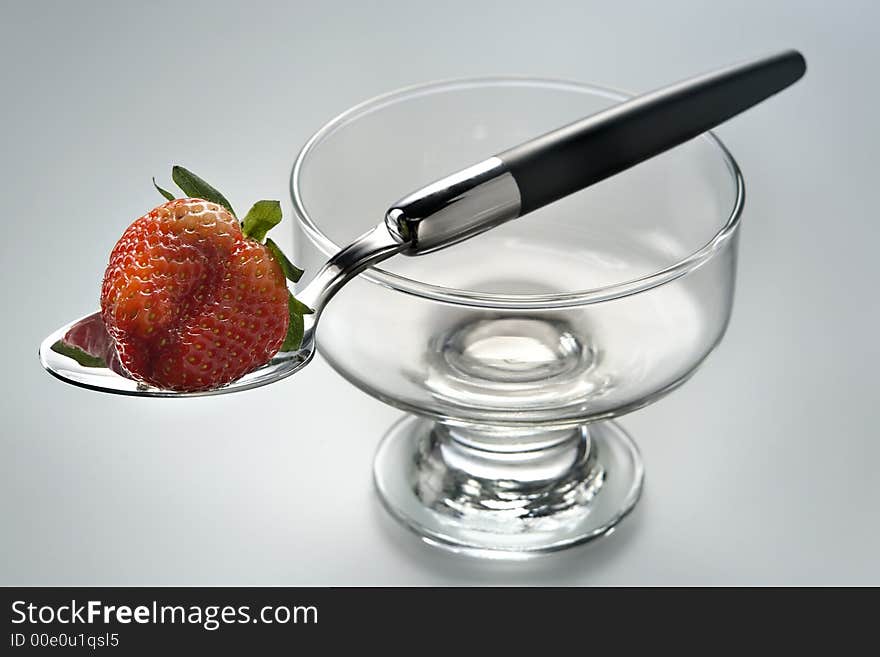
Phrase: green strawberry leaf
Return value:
(291, 271)
(168, 195)
(299, 306)
(260, 219)
(296, 328)
(195, 187)
(83, 358)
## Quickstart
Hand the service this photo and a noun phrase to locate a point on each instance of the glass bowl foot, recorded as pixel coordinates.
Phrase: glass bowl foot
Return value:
(507, 493)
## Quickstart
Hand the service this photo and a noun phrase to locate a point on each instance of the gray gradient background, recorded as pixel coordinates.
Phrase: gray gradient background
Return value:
(762, 469)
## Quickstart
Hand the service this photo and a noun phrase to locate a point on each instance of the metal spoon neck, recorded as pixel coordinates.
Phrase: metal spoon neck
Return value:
(372, 247)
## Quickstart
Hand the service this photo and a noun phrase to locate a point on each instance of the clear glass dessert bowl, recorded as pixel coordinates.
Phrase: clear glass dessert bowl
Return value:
(512, 352)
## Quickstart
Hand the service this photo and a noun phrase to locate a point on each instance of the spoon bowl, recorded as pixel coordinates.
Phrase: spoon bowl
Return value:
(113, 379)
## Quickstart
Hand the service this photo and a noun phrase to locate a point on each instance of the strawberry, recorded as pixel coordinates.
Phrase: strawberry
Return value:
(192, 299)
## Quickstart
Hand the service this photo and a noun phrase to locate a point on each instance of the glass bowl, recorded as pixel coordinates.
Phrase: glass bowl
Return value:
(511, 352)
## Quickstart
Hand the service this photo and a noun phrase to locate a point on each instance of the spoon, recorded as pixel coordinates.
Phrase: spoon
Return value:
(473, 200)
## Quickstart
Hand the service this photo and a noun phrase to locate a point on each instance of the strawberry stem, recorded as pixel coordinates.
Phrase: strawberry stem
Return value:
(291, 271)
(260, 219)
(195, 187)
(164, 192)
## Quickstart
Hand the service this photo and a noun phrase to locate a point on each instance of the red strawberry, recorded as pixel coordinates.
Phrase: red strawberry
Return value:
(191, 301)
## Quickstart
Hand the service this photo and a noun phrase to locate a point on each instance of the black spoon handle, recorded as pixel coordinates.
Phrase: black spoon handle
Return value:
(566, 160)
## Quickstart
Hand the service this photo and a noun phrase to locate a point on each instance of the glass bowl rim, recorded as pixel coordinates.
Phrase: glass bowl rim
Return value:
(510, 301)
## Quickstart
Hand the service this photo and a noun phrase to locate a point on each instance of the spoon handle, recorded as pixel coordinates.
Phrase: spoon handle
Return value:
(552, 166)
(566, 160)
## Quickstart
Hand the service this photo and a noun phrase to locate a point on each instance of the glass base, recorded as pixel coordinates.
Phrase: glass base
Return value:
(505, 493)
